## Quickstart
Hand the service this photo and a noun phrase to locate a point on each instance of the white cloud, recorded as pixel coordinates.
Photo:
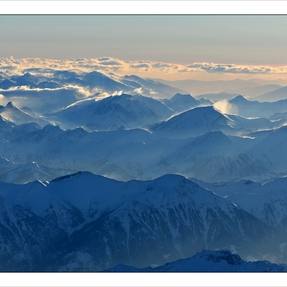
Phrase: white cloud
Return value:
(10, 66)
(236, 69)
(78, 89)
(225, 107)
(3, 100)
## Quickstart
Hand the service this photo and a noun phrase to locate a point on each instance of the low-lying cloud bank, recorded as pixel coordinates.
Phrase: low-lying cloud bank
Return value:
(9, 66)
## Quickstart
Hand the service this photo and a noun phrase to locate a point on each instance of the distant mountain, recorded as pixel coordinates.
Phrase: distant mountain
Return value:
(214, 97)
(101, 81)
(194, 122)
(138, 137)
(26, 79)
(209, 261)
(43, 101)
(239, 99)
(217, 157)
(11, 113)
(247, 108)
(151, 87)
(253, 124)
(274, 95)
(269, 146)
(182, 102)
(78, 217)
(112, 113)
(267, 200)
(93, 80)
(126, 154)
(252, 87)
(47, 92)
(111, 83)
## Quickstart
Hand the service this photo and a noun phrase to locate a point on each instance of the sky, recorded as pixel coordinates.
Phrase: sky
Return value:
(239, 40)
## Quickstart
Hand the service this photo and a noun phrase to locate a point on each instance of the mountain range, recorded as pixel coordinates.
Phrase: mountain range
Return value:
(201, 142)
(111, 172)
(95, 222)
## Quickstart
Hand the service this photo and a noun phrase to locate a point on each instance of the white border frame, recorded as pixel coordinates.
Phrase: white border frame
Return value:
(143, 7)
(143, 279)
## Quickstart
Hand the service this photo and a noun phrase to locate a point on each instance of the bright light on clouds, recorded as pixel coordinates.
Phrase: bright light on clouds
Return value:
(225, 107)
(9, 66)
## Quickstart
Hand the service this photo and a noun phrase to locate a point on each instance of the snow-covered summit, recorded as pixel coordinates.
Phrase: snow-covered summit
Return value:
(16, 115)
(194, 122)
(115, 112)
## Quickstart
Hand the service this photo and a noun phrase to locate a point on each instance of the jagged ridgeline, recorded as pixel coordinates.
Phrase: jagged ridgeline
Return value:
(88, 222)
(106, 172)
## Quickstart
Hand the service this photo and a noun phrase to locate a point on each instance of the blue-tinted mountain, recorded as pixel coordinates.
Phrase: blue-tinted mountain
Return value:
(279, 93)
(209, 261)
(253, 108)
(92, 223)
(194, 122)
(13, 114)
(42, 101)
(151, 86)
(183, 102)
(112, 113)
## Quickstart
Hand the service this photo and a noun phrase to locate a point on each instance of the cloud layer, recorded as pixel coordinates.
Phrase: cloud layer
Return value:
(9, 66)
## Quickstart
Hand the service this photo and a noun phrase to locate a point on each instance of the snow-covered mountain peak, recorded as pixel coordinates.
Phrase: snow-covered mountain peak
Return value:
(114, 112)
(10, 105)
(239, 100)
(182, 102)
(194, 122)
(198, 114)
(183, 99)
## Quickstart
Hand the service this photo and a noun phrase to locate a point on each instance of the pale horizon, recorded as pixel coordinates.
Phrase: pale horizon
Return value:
(181, 47)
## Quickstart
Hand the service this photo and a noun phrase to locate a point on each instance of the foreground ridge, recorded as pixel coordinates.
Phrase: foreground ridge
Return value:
(209, 261)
